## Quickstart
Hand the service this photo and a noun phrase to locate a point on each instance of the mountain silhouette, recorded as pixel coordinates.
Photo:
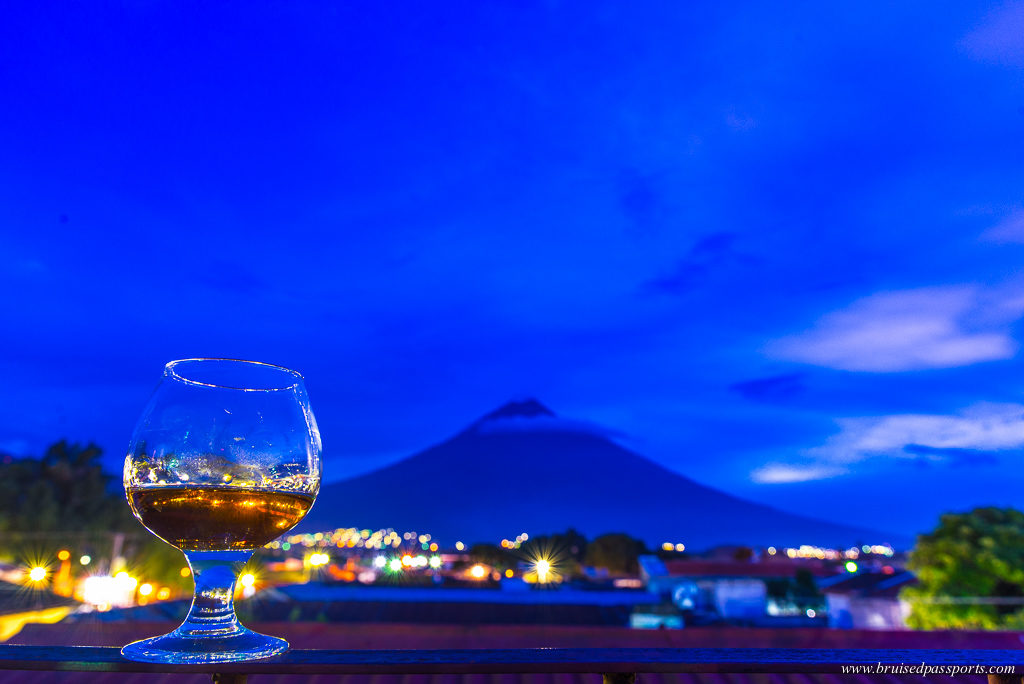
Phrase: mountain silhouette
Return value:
(521, 468)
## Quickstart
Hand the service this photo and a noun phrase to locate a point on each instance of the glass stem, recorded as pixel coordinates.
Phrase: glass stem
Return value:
(213, 605)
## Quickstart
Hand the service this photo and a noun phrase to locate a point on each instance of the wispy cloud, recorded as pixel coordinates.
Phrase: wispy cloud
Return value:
(740, 122)
(782, 473)
(938, 327)
(982, 427)
(973, 437)
(1009, 230)
(999, 37)
(951, 456)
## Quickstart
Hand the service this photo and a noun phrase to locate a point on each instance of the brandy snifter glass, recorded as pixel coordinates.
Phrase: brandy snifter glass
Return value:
(224, 459)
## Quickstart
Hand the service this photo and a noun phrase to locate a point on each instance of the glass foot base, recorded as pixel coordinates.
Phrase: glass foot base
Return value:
(243, 644)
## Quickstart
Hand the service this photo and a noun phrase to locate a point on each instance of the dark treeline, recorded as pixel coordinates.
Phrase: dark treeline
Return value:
(65, 490)
(568, 552)
(65, 500)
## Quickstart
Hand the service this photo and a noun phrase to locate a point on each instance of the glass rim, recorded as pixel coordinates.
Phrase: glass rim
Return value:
(171, 369)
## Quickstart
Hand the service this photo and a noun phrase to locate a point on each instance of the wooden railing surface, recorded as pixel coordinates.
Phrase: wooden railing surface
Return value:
(618, 665)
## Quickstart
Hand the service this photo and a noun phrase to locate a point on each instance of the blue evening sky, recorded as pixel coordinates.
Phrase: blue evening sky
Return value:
(776, 247)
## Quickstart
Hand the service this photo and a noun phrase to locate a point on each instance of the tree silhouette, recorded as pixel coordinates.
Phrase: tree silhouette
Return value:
(66, 499)
(617, 552)
(66, 490)
(970, 559)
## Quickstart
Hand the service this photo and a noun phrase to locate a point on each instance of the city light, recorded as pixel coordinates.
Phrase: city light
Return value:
(247, 580)
(852, 553)
(163, 594)
(388, 551)
(319, 559)
(85, 560)
(99, 590)
(63, 555)
(126, 581)
(37, 574)
(106, 592)
(809, 551)
(185, 572)
(146, 589)
(545, 562)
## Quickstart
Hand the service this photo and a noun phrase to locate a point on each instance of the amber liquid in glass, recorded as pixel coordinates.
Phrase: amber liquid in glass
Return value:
(200, 518)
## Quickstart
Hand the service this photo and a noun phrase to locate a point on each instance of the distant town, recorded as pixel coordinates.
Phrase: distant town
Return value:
(612, 577)
(71, 552)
